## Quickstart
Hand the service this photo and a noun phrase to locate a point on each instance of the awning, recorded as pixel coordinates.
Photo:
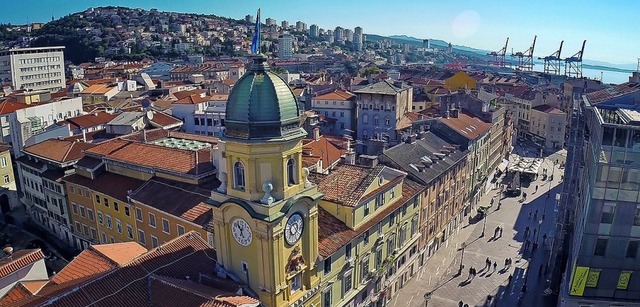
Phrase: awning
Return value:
(503, 166)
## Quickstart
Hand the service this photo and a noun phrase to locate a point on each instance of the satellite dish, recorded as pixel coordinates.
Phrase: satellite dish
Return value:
(150, 115)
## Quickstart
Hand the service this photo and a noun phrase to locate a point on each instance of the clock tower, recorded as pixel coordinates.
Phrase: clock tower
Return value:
(265, 212)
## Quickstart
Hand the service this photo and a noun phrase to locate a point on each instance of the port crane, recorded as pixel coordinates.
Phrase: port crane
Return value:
(499, 56)
(525, 59)
(573, 64)
(553, 62)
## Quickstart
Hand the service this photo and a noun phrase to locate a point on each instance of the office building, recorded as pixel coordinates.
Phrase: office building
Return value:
(284, 25)
(314, 31)
(40, 68)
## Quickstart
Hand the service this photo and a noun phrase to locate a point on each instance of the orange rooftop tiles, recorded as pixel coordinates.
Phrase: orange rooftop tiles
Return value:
(60, 151)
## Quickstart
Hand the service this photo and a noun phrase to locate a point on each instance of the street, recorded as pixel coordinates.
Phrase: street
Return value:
(521, 221)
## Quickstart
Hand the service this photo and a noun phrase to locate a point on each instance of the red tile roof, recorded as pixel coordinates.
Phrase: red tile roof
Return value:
(19, 260)
(163, 120)
(156, 157)
(324, 150)
(16, 294)
(337, 95)
(89, 120)
(34, 285)
(160, 277)
(611, 93)
(98, 89)
(346, 184)
(545, 108)
(334, 234)
(61, 151)
(10, 105)
(120, 253)
(467, 125)
(88, 264)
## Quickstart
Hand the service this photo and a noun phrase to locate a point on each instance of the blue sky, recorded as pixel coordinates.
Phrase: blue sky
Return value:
(608, 26)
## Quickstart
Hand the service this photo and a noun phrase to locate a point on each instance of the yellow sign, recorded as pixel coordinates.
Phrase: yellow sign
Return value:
(592, 278)
(623, 281)
(579, 281)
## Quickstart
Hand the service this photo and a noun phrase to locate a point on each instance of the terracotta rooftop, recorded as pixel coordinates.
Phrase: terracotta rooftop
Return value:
(337, 95)
(15, 294)
(176, 199)
(60, 151)
(346, 184)
(156, 157)
(88, 264)
(467, 125)
(120, 253)
(34, 285)
(19, 260)
(334, 234)
(107, 183)
(182, 270)
(545, 108)
(10, 105)
(193, 99)
(89, 120)
(322, 149)
(614, 92)
(98, 89)
(164, 120)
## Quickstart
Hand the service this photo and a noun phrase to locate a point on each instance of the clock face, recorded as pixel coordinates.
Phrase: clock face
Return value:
(293, 229)
(241, 232)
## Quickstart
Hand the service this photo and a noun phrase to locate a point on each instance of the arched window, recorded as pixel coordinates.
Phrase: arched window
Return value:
(238, 175)
(365, 135)
(375, 120)
(387, 121)
(291, 171)
(365, 119)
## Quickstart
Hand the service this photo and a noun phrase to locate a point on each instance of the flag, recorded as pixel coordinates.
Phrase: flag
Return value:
(255, 44)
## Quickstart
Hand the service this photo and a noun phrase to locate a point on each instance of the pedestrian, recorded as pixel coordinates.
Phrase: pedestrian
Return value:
(500, 232)
(536, 188)
(460, 303)
(487, 263)
(506, 262)
(535, 230)
(470, 273)
(495, 232)
(544, 238)
(535, 215)
(509, 279)
(474, 272)
(495, 265)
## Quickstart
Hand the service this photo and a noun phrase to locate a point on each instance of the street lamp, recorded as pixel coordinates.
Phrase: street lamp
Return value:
(462, 256)
(427, 297)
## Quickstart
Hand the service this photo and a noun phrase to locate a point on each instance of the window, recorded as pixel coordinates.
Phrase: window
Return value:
(141, 238)
(291, 171)
(366, 209)
(326, 298)
(119, 225)
(83, 213)
(403, 235)
(90, 214)
(636, 218)
(238, 175)
(632, 249)
(378, 257)
(392, 218)
(3, 162)
(364, 272)
(180, 229)
(601, 247)
(130, 232)
(365, 119)
(85, 230)
(103, 237)
(100, 218)
(98, 199)
(154, 241)
(106, 202)
(347, 283)
(365, 135)
(94, 234)
(392, 193)
(296, 283)
(347, 251)
(115, 205)
(387, 121)
(376, 120)
(414, 226)
(165, 226)
(327, 265)
(6, 179)
(365, 237)
(152, 220)
(139, 214)
(608, 213)
(127, 212)
(74, 207)
(78, 228)
(391, 245)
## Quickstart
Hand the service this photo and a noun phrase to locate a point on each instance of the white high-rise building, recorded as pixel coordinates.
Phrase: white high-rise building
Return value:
(285, 46)
(358, 39)
(40, 68)
(338, 35)
(348, 35)
(313, 31)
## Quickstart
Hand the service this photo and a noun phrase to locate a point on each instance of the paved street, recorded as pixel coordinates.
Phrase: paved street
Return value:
(440, 275)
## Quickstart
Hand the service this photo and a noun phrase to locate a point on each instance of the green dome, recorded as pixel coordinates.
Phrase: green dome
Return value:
(262, 106)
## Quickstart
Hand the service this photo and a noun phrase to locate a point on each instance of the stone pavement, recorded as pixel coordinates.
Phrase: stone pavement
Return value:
(440, 274)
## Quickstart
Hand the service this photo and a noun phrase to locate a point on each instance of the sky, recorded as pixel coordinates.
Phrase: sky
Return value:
(608, 26)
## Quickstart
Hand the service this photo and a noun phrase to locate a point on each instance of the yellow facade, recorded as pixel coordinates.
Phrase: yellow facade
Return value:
(281, 272)
(116, 221)
(152, 230)
(6, 168)
(82, 215)
(460, 81)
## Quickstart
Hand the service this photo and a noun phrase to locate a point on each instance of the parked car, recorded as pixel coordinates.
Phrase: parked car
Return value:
(512, 192)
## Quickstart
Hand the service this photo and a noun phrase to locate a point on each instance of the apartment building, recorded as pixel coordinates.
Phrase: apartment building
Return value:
(442, 168)
(548, 126)
(368, 233)
(201, 113)
(339, 105)
(41, 170)
(8, 193)
(39, 68)
(380, 107)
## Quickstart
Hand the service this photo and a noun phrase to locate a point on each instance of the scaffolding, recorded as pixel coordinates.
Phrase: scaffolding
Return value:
(573, 64)
(499, 56)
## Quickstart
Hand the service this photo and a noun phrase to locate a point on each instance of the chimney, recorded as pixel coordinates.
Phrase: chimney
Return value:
(411, 138)
(84, 135)
(316, 134)
(635, 77)
(368, 161)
